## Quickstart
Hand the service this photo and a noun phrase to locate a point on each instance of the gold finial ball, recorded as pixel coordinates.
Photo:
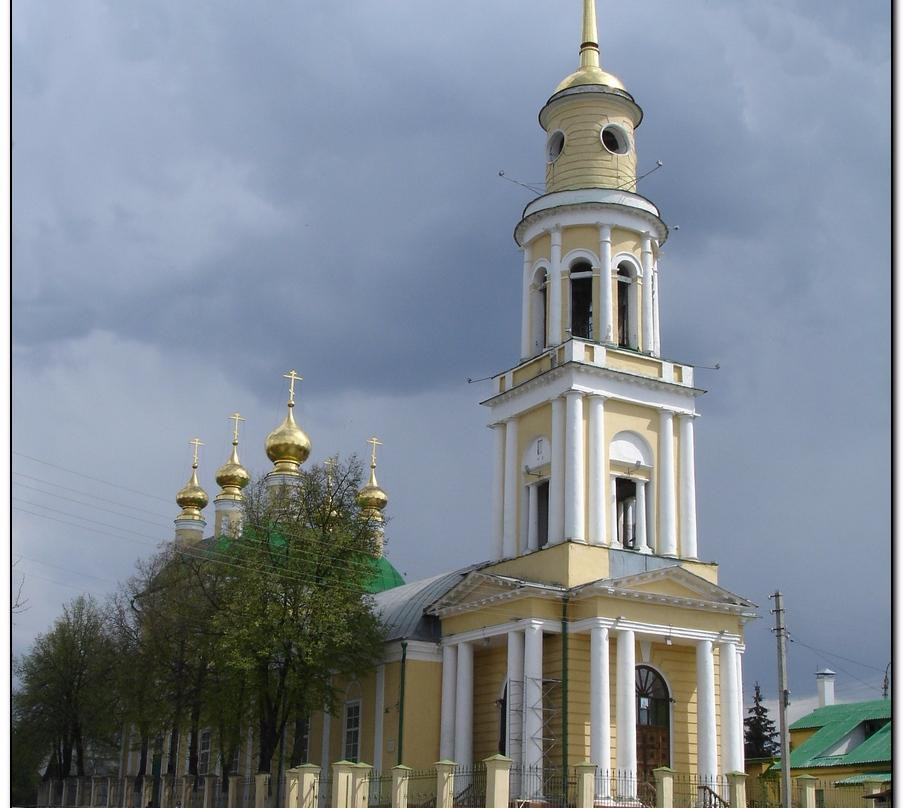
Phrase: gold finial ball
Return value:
(287, 445)
(192, 497)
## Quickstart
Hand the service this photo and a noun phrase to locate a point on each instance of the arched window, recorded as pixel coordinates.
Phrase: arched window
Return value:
(652, 700)
(626, 306)
(582, 300)
(538, 310)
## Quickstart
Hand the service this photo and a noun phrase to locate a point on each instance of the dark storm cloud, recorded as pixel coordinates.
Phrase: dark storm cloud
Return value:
(227, 190)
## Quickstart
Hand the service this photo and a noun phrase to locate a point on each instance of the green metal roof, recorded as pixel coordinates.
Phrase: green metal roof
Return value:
(385, 577)
(858, 779)
(832, 724)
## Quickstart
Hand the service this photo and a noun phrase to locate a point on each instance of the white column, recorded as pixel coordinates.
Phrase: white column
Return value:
(525, 306)
(557, 473)
(706, 711)
(533, 515)
(739, 657)
(608, 334)
(687, 486)
(646, 257)
(498, 485)
(515, 696)
(668, 537)
(532, 746)
(597, 465)
(574, 465)
(325, 761)
(447, 717)
(600, 742)
(640, 516)
(656, 340)
(613, 514)
(554, 314)
(732, 737)
(629, 508)
(379, 682)
(510, 496)
(625, 714)
(464, 705)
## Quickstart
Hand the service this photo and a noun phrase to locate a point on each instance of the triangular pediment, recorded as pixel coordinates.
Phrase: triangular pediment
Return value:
(477, 590)
(669, 583)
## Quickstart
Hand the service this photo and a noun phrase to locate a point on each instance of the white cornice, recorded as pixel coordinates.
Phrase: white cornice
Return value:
(417, 651)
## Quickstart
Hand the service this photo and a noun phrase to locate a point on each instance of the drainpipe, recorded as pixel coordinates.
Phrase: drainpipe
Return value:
(565, 694)
(402, 700)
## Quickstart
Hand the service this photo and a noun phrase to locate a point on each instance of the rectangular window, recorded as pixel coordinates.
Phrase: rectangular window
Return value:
(543, 513)
(820, 798)
(352, 730)
(204, 752)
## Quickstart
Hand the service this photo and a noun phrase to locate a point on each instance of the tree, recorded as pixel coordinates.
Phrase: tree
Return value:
(290, 608)
(65, 699)
(759, 730)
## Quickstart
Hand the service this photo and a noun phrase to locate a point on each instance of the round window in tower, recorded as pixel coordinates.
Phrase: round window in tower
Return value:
(554, 145)
(615, 139)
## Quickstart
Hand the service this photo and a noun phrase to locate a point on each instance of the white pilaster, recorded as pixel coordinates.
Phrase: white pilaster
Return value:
(447, 716)
(687, 486)
(668, 536)
(533, 515)
(554, 315)
(525, 306)
(646, 257)
(515, 696)
(625, 714)
(597, 464)
(607, 332)
(574, 465)
(557, 473)
(640, 515)
(379, 684)
(613, 515)
(510, 496)
(498, 485)
(656, 340)
(732, 734)
(532, 747)
(706, 711)
(600, 741)
(464, 705)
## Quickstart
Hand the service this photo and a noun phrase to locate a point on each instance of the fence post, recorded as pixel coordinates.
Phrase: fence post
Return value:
(807, 785)
(261, 787)
(210, 783)
(232, 795)
(445, 783)
(291, 787)
(498, 768)
(737, 789)
(166, 791)
(308, 785)
(359, 784)
(342, 784)
(586, 784)
(147, 790)
(400, 786)
(665, 787)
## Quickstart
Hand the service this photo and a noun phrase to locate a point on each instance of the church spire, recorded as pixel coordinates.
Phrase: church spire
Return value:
(590, 48)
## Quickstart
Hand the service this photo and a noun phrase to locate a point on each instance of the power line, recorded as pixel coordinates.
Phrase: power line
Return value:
(89, 505)
(82, 493)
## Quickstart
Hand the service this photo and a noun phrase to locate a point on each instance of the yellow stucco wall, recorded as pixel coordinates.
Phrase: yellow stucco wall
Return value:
(423, 701)
(489, 678)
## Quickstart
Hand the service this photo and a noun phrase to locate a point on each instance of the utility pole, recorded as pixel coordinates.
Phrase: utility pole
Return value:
(783, 696)
(885, 682)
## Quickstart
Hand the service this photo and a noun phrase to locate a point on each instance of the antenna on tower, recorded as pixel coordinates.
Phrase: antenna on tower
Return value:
(529, 187)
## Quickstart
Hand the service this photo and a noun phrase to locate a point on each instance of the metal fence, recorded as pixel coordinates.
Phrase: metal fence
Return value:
(830, 795)
(379, 789)
(422, 788)
(698, 791)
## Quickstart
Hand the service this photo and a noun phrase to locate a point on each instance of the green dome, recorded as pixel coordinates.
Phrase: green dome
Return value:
(385, 577)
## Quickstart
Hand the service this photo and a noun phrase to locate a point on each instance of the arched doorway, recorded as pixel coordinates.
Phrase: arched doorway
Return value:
(652, 699)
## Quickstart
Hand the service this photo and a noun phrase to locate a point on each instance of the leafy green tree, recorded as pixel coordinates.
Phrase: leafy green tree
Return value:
(292, 609)
(64, 696)
(759, 730)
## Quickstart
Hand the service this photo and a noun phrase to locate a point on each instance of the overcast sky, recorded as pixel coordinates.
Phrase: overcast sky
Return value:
(207, 194)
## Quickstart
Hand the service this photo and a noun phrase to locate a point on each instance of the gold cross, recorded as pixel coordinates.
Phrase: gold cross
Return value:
(196, 443)
(330, 468)
(293, 377)
(235, 417)
(373, 452)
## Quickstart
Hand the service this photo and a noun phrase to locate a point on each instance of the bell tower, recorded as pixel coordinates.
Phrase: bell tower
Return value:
(593, 427)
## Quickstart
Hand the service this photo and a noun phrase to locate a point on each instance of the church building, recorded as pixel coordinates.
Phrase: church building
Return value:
(595, 627)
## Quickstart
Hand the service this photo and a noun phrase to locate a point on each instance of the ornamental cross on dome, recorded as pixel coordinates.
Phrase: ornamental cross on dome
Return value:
(196, 442)
(373, 452)
(235, 418)
(293, 377)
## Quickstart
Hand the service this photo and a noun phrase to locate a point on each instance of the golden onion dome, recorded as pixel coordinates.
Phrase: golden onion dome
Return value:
(192, 498)
(287, 445)
(590, 71)
(231, 476)
(371, 496)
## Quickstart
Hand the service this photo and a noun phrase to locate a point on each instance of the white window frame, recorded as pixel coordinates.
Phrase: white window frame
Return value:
(346, 730)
